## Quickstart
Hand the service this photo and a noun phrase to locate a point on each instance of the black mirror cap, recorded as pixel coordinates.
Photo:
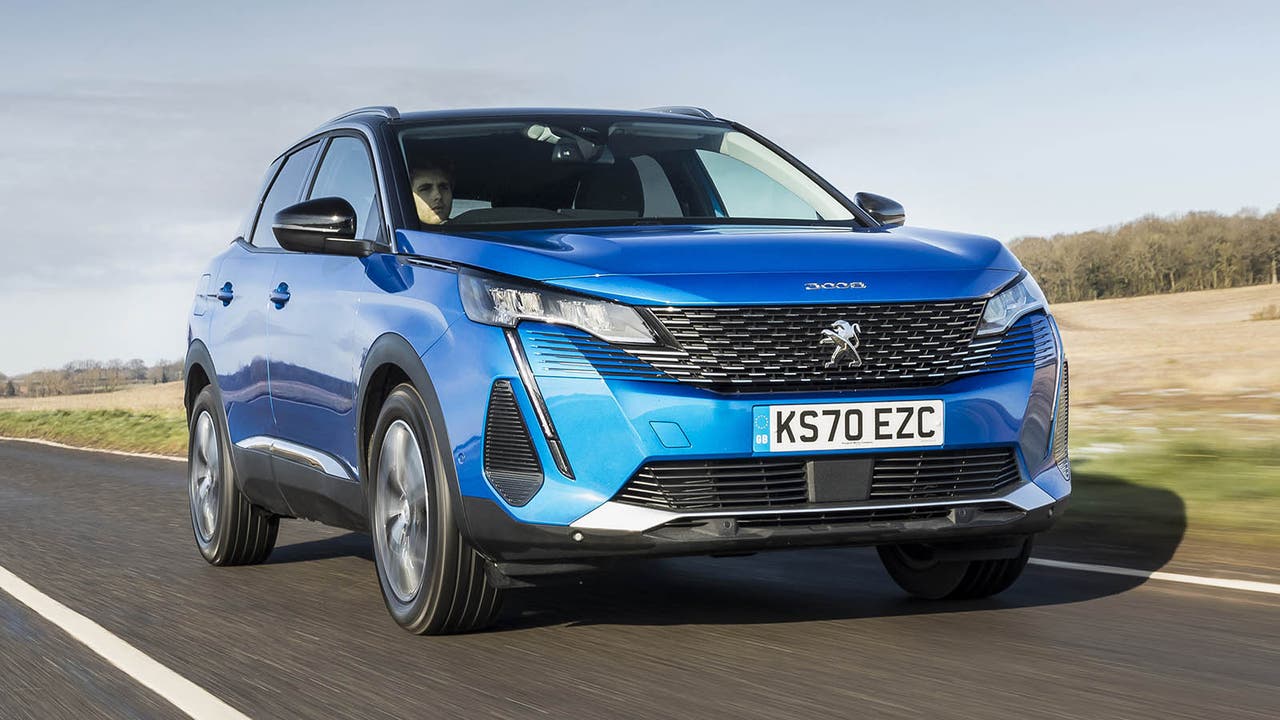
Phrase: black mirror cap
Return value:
(324, 225)
(885, 211)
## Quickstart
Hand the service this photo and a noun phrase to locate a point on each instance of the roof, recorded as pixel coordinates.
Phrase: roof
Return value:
(391, 114)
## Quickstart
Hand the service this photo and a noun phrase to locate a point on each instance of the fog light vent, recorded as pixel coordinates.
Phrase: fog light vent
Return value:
(510, 460)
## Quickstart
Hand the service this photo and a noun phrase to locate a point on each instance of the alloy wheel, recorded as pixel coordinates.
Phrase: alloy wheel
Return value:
(205, 471)
(401, 521)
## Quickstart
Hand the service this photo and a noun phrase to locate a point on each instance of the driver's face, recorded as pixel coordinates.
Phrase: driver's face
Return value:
(432, 196)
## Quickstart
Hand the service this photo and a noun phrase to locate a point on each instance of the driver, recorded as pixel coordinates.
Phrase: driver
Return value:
(432, 193)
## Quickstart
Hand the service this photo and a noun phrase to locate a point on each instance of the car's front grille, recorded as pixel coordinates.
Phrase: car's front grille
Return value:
(942, 475)
(703, 484)
(750, 348)
(780, 349)
(764, 482)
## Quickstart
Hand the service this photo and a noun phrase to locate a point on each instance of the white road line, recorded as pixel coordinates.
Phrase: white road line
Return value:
(184, 694)
(1249, 585)
(51, 443)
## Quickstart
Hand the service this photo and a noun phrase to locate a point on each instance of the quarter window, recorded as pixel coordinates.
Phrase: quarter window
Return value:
(346, 172)
(284, 192)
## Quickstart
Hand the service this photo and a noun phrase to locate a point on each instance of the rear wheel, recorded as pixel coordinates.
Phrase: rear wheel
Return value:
(433, 581)
(915, 569)
(229, 529)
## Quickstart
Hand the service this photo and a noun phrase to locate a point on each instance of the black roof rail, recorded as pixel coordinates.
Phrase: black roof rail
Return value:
(684, 110)
(386, 111)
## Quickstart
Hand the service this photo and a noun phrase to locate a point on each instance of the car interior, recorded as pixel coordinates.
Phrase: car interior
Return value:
(532, 172)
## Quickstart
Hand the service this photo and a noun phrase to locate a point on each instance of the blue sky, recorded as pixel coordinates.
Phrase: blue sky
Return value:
(132, 135)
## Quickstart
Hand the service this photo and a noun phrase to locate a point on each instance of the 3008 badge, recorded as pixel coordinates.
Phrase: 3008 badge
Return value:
(842, 426)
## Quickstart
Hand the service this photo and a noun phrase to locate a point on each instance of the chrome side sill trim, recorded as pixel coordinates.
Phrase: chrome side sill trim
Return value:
(300, 454)
(635, 518)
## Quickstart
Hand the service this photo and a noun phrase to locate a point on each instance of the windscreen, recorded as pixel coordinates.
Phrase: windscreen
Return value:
(584, 171)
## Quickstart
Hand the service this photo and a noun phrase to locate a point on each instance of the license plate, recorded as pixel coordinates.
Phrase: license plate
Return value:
(840, 426)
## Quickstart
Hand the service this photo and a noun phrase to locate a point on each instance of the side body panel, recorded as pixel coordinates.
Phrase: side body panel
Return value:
(314, 355)
(338, 308)
(237, 339)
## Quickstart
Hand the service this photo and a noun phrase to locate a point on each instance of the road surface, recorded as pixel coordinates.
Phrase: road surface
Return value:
(807, 634)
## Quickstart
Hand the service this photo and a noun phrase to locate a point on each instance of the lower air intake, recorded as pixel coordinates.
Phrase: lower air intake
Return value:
(510, 460)
(761, 482)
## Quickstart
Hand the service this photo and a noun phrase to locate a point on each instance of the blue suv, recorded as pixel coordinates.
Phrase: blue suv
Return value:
(515, 343)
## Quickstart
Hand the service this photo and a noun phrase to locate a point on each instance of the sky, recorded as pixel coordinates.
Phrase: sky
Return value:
(133, 135)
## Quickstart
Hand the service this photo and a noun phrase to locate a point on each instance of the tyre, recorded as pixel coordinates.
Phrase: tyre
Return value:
(229, 529)
(914, 569)
(433, 581)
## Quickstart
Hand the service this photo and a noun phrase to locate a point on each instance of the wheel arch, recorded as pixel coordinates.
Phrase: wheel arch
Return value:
(391, 360)
(198, 372)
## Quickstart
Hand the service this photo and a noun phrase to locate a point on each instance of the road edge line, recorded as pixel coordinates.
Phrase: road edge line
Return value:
(183, 694)
(125, 453)
(1225, 583)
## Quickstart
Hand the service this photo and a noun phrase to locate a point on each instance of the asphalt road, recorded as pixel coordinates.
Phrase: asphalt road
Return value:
(810, 634)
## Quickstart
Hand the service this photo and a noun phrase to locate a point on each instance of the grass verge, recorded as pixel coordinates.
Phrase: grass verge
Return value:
(146, 432)
(1216, 488)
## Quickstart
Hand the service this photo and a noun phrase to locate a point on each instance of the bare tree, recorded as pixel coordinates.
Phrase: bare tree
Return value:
(1195, 251)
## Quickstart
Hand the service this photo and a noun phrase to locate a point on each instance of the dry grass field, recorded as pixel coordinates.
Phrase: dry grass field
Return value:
(165, 398)
(1186, 351)
(1177, 398)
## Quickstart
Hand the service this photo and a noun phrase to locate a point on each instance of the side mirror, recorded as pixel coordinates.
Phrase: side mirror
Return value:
(322, 225)
(885, 211)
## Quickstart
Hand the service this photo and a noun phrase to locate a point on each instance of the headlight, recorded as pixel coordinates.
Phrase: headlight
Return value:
(1004, 309)
(498, 301)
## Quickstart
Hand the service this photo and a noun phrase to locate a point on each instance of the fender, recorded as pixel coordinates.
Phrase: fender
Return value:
(393, 349)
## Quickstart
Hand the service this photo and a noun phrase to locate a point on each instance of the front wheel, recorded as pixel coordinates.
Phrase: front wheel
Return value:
(433, 581)
(915, 569)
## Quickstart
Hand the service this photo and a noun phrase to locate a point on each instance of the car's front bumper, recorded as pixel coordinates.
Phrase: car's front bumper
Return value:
(616, 530)
(609, 428)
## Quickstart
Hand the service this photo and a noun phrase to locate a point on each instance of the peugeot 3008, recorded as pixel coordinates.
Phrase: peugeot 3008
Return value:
(511, 343)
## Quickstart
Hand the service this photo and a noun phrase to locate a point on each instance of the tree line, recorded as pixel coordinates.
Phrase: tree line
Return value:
(1151, 255)
(91, 376)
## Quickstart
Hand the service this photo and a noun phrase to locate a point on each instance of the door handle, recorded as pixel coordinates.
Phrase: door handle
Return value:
(225, 294)
(280, 295)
